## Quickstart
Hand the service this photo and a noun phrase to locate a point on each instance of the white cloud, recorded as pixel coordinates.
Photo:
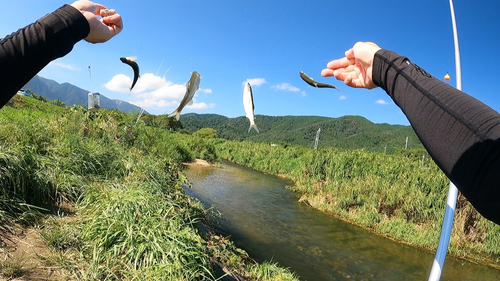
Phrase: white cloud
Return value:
(256, 81)
(286, 87)
(119, 83)
(154, 92)
(200, 105)
(381, 102)
(66, 66)
(304, 93)
(342, 98)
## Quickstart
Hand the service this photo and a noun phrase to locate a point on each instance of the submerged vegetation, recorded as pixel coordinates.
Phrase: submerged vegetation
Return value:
(123, 179)
(401, 196)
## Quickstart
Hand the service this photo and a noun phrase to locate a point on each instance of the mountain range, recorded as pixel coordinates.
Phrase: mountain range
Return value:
(71, 94)
(347, 132)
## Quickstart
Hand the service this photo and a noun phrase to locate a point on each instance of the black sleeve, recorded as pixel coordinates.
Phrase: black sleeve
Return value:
(461, 133)
(25, 52)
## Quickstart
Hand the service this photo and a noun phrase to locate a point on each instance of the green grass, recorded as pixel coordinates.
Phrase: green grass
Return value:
(133, 220)
(401, 195)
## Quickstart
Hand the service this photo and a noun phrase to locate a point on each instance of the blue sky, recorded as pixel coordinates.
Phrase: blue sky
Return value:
(229, 41)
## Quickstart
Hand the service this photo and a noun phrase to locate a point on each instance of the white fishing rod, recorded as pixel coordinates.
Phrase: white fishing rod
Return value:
(444, 240)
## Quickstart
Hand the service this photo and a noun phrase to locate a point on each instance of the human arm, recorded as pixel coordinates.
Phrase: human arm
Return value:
(27, 51)
(461, 133)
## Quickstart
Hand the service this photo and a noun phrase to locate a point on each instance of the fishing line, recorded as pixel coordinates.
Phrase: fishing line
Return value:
(160, 66)
(166, 72)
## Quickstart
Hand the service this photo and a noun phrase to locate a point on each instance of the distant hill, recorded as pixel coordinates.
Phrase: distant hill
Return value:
(70, 94)
(348, 132)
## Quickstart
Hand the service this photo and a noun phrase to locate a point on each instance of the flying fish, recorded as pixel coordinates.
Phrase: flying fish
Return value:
(249, 106)
(191, 87)
(131, 61)
(313, 83)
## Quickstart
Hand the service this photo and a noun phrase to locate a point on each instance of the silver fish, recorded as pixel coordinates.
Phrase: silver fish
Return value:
(249, 106)
(191, 87)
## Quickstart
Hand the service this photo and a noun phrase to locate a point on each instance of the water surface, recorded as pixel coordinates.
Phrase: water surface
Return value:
(266, 220)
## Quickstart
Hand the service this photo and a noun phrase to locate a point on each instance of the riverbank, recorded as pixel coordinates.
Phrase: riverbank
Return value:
(399, 196)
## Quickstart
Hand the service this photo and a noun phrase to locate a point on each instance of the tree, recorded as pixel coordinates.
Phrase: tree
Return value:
(206, 133)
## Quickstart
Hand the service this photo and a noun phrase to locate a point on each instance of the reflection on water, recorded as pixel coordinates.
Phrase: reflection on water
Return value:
(266, 220)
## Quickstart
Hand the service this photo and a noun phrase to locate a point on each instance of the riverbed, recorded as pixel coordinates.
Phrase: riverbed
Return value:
(264, 218)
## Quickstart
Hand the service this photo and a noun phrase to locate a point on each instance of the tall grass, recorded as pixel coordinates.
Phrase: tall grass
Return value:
(133, 221)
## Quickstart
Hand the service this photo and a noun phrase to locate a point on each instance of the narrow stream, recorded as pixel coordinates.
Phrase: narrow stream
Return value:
(266, 220)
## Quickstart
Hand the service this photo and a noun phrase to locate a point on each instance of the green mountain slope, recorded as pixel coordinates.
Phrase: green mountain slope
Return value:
(71, 94)
(349, 132)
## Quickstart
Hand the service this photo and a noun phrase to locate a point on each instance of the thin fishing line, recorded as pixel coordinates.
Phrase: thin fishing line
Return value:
(166, 72)
(160, 67)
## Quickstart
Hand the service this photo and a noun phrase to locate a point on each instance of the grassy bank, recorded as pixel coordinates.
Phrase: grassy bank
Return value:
(401, 196)
(123, 179)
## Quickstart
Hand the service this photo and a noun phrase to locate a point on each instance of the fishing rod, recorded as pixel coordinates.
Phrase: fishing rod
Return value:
(444, 239)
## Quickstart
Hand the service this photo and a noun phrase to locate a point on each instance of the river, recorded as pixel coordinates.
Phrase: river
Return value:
(265, 219)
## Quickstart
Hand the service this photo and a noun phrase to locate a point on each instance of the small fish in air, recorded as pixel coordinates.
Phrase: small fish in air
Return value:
(313, 83)
(249, 106)
(131, 61)
(191, 87)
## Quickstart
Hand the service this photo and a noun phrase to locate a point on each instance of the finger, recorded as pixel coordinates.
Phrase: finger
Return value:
(350, 68)
(114, 22)
(98, 8)
(340, 63)
(350, 54)
(342, 75)
(348, 80)
(327, 72)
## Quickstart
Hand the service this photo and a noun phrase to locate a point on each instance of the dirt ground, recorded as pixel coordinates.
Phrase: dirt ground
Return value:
(21, 257)
(197, 162)
(23, 254)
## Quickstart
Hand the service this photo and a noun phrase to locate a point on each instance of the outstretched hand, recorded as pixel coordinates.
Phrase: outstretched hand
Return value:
(103, 29)
(355, 69)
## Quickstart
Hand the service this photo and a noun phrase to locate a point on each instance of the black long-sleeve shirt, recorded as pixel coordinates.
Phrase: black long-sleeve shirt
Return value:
(27, 51)
(461, 133)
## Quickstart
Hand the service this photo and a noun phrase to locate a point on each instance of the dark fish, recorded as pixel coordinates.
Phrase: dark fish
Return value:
(131, 61)
(313, 83)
